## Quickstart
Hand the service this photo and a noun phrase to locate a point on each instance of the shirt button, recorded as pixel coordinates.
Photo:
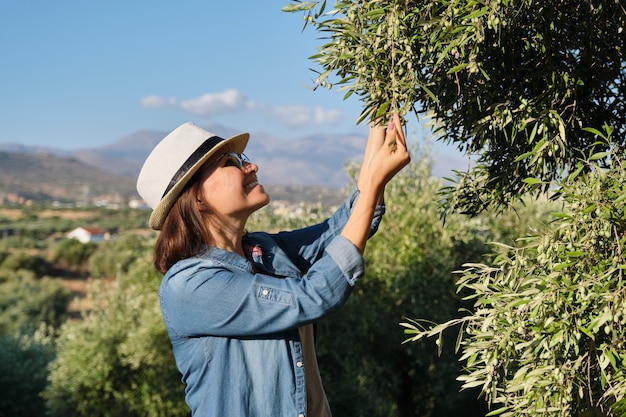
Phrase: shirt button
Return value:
(265, 292)
(300, 415)
(299, 364)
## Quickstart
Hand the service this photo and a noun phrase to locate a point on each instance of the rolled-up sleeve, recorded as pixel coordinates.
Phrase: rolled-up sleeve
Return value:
(304, 246)
(348, 258)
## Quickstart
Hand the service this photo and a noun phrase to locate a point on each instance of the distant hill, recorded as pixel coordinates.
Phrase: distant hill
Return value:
(308, 161)
(45, 177)
(313, 160)
(288, 167)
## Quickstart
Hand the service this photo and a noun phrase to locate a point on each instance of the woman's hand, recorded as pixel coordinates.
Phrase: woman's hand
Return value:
(386, 154)
(382, 161)
(375, 140)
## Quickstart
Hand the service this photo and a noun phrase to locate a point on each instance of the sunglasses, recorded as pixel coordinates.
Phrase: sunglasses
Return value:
(234, 159)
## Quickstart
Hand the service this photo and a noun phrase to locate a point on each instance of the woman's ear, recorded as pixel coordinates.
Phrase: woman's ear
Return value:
(201, 204)
(199, 200)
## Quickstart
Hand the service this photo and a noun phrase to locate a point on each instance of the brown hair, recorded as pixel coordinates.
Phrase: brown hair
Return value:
(184, 231)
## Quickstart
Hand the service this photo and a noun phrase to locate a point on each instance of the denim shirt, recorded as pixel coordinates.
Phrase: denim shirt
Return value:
(234, 332)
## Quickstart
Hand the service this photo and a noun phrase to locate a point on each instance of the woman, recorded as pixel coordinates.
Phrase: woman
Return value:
(239, 307)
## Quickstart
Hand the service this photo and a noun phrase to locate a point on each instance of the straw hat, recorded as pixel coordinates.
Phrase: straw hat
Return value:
(172, 163)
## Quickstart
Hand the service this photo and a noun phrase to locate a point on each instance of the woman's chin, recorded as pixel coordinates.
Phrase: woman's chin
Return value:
(263, 197)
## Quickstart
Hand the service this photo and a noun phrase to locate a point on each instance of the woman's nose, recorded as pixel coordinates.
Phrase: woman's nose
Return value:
(250, 167)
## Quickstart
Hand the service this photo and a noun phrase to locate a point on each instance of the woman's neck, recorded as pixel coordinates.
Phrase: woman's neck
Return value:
(227, 236)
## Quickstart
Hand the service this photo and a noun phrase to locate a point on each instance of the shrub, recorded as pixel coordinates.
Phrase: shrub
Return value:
(72, 254)
(548, 330)
(26, 302)
(115, 257)
(23, 260)
(118, 360)
(23, 371)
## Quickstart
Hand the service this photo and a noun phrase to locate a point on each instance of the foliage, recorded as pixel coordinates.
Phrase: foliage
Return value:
(267, 220)
(27, 302)
(514, 82)
(23, 372)
(38, 223)
(548, 334)
(29, 227)
(116, 256)
(120, 219)
(118, 360)
(72, 254)
(22, 260)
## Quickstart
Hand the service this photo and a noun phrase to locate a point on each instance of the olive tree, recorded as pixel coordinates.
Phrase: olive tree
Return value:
(24, 360)
(535, 91)
(514, 82)
(548, 331)
(117, 361)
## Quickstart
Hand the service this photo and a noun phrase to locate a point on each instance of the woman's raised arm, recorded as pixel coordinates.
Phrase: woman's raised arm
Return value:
(381, 162)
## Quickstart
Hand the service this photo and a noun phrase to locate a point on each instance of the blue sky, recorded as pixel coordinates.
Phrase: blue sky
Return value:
(79, 74)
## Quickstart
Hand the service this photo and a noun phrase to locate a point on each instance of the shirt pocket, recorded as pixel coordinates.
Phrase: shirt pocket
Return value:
(275, 295)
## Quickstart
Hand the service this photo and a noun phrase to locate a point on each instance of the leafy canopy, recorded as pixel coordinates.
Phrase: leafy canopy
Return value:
(513, 82)
(548, 329)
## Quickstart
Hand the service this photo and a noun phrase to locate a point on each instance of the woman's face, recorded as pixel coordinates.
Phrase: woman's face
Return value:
(229, 186)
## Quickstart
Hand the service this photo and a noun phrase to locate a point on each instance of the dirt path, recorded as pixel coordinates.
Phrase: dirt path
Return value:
(79, 302)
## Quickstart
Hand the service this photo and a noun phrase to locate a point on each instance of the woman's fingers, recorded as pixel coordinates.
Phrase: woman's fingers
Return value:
(383, 162)
(398, 129)
(395, 132)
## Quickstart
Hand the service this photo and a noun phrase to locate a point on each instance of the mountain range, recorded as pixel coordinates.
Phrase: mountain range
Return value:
(38, 173)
